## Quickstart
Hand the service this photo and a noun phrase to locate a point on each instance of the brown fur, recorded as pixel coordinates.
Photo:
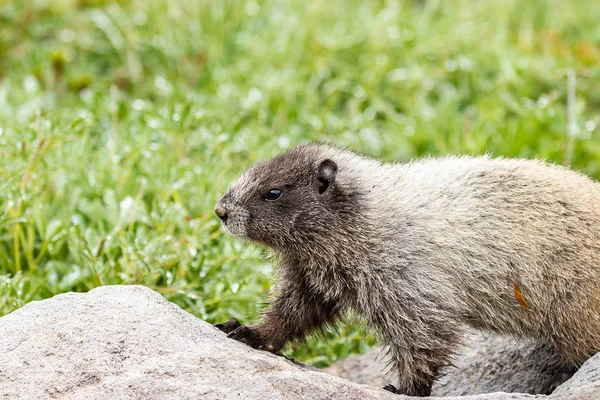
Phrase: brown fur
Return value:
(424, 249)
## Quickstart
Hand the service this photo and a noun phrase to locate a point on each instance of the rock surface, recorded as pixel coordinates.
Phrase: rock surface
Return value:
(586, 380)
(487, 364)
(127, 342)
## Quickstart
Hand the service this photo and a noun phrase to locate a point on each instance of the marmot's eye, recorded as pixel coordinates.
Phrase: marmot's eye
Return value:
(273, 194)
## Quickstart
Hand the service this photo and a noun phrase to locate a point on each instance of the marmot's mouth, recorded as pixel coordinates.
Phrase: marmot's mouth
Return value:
(235, 228)
(234, 219)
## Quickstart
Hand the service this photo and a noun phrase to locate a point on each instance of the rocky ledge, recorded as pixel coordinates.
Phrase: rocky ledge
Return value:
(128, 342)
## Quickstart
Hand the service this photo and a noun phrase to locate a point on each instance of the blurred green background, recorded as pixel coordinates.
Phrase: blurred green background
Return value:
(122, 123)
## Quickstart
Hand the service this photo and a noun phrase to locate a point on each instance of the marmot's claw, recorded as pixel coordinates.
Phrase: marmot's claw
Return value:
(420, 391)
(390, 388)
(229, 326)
(251, 337)
(248, 336)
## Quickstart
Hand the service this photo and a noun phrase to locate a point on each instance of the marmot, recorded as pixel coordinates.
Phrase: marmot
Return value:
(422, 250)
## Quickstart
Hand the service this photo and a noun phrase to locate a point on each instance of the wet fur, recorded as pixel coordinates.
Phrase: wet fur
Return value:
(424, 249)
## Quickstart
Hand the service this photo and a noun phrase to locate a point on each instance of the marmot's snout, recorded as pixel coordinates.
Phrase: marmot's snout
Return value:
(221, 212)
(223, 207)
(234, 217)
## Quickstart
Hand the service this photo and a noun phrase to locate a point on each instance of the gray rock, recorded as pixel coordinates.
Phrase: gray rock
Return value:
(585, 382)
(488, 364)
(127, 342)
(124, 342)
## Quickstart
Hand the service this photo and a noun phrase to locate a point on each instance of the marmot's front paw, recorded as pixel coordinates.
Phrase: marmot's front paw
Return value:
(421, 391)
(249, 336)
(229, 326)
(391, 388)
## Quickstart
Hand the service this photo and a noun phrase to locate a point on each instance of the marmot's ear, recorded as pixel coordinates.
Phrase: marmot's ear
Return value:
(326, 173)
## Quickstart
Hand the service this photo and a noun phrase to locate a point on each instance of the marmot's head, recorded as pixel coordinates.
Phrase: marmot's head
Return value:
(287, 202)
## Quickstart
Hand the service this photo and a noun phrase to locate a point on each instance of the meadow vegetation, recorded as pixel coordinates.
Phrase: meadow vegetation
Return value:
(122, 123)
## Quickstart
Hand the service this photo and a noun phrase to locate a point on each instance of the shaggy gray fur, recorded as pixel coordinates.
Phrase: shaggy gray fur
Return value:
(424, 249)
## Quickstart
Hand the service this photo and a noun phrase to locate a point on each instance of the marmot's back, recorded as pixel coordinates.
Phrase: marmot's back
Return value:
(520, 241)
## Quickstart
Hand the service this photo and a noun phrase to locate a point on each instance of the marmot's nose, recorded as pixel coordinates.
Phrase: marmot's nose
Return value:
(221, 212)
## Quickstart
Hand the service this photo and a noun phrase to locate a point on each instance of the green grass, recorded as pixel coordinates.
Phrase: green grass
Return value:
(122, 123)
